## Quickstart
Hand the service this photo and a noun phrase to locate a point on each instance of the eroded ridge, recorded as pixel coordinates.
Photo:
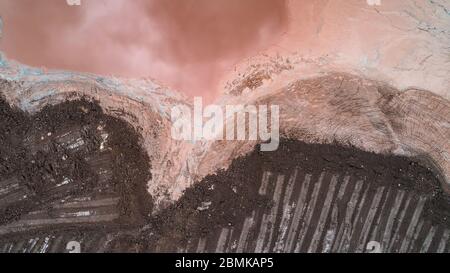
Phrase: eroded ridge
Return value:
(350, 110)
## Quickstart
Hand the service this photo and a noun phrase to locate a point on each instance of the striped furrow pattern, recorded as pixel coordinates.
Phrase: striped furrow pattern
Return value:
(57, 243)
(330, 212)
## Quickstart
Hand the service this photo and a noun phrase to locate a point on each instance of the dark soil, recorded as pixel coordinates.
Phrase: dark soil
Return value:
(37, 163)
(234, 192)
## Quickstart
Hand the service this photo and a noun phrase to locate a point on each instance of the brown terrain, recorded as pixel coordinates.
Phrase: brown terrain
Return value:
(364, 125)
(81, 168)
